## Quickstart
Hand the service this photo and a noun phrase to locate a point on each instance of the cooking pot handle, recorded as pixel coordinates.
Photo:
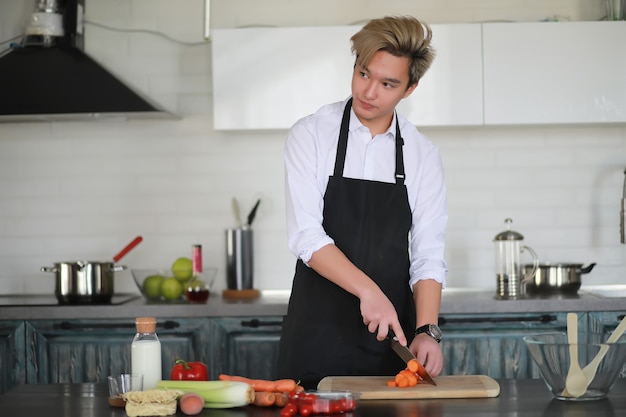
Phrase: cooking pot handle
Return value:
(49, 269)
(118, 268)
(587, 269)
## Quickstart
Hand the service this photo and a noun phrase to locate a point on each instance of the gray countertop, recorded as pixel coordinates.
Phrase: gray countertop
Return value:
(274, 303)
(520, 398)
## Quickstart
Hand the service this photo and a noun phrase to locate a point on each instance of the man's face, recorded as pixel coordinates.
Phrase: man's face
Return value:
(377, 89)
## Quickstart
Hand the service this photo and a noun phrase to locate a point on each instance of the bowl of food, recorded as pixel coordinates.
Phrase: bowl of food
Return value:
(588, 368)
(160, 284)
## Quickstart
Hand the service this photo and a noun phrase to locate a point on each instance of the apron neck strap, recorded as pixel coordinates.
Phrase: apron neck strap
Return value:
(342, 146)
(399, 159)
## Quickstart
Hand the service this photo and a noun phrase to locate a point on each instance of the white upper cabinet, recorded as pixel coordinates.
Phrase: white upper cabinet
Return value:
(554, 72)
(267, 78)
(483, 74)
(451, 92)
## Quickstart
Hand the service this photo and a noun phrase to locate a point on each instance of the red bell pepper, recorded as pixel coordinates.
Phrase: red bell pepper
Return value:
(189, 371)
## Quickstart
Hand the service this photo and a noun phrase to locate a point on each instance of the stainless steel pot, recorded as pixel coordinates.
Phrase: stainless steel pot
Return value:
(556, 278)
(84, 282)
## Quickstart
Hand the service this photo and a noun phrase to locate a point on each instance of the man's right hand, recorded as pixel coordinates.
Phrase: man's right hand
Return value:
(378, 313)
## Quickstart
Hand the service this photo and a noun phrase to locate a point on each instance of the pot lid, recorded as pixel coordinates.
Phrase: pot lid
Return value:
(509, 234)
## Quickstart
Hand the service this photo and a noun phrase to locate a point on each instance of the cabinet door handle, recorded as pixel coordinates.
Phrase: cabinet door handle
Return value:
(254, 323)
(66, 325)
(542, 318)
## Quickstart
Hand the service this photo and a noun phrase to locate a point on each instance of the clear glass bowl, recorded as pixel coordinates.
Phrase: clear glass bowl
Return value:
(550, 352)
(152, 293)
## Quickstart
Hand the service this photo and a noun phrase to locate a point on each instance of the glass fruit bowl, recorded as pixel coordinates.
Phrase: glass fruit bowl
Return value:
(159, 285)
(551, 353)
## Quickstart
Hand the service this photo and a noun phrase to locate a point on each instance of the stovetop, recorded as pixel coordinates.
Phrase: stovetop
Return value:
(18, 300)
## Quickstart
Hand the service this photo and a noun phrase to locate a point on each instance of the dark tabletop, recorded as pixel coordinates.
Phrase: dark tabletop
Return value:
(517, 398)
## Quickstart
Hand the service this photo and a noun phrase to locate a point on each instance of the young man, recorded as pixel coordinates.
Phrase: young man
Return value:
(366, 217)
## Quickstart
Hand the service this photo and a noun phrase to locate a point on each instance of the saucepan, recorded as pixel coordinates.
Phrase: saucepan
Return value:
(87, 282)
(556, 278)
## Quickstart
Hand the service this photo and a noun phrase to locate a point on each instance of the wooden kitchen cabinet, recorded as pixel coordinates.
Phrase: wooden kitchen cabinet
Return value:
(90, 350)
(246, 346)
(12, 358)
(554, 73)
(492, 344)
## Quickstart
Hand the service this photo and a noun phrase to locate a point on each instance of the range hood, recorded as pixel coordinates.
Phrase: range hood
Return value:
(49, 76)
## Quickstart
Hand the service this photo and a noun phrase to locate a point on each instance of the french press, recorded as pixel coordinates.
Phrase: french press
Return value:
(510, 283)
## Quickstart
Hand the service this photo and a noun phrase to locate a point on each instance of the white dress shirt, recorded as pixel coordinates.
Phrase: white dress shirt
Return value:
(310, 154)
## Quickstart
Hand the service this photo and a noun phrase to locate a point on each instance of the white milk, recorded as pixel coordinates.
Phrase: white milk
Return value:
(145, 352)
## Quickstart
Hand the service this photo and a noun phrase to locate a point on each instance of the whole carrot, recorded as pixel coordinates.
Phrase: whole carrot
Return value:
(264, 398)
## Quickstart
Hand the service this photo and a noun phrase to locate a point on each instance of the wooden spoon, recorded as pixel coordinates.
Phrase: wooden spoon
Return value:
(576, 382)
(592, 367)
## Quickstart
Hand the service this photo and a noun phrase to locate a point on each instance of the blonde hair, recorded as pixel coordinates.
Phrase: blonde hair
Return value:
(401, 36)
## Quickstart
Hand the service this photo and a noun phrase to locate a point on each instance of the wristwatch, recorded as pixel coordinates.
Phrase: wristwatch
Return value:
(431, 330)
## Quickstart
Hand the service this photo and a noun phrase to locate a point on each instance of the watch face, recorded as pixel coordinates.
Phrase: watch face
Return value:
(435, 331)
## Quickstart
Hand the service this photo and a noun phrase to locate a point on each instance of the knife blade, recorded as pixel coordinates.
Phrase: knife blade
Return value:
(405, 354)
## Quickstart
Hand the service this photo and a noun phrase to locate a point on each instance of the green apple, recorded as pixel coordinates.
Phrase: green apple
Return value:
(171, 289)
(182, 268)
(152, 286)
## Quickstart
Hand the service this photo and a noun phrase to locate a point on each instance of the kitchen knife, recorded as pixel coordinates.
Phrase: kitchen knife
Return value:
(406, 355)
(253, 212)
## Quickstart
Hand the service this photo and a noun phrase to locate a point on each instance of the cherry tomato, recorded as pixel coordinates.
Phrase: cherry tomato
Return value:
(350, 404)
(308, 397)
(335, 407)
(343, 405)
(286, 413)
(305, 409)
(293, 396)
(290, 409)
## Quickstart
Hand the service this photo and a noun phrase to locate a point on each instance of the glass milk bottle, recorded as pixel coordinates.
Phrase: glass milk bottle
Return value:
(145, 352)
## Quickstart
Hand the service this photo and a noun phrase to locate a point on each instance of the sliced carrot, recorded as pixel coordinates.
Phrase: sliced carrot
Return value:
(264, 398)
(412, 365)
(410, 376)
(391, 383)
(401, 380)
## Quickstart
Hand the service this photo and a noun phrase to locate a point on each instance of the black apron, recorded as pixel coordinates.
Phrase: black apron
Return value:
(323, 333)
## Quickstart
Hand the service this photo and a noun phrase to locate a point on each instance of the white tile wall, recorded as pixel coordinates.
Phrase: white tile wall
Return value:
(80, 190)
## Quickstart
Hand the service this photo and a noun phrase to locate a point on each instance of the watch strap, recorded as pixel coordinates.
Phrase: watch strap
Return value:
(426, 328)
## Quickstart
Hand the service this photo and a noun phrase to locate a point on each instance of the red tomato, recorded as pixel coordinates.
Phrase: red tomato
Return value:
(289, 409)
(308, 397)
(189, 371)
(287, 412)
(305, 409)
(293, 396)
(343, 405)
(335, 407)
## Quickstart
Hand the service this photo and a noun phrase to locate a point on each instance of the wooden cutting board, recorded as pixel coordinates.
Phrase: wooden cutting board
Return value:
(375, 387)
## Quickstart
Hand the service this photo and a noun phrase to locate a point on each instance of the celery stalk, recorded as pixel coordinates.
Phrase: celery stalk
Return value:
(216, 394)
